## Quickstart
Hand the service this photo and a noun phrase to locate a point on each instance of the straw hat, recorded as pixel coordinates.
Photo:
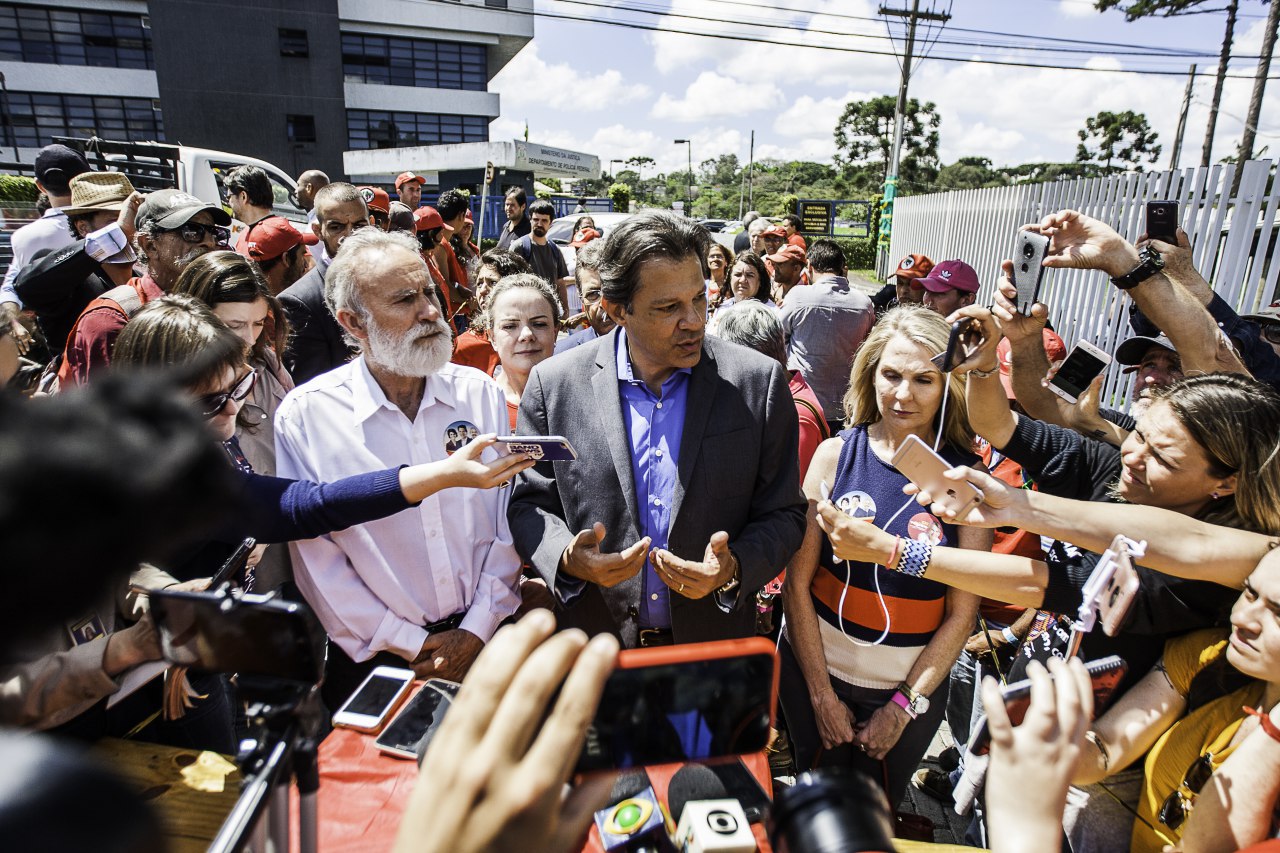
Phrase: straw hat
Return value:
(95, 191)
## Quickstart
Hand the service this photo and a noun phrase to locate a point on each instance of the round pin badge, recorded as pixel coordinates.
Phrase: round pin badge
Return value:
(458, 434)
(925, 527)
(857, 504)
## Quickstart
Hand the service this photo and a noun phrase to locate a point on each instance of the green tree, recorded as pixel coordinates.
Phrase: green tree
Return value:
(864, 137)
(621, 196)
(970, 173)
(640, 162)
(1034, 173)
(1124, 138)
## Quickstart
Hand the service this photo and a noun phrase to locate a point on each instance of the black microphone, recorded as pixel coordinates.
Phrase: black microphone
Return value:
(635, 821)
(711, 821)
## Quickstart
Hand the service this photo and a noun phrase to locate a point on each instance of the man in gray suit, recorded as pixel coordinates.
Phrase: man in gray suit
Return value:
(685, 497)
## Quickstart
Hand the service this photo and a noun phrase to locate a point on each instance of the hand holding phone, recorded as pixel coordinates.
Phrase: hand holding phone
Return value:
(963, 343)
(1112, 587)
(541, 448)
(922, 466)
(1162, 221)
(1082, 365)
(1029, 252)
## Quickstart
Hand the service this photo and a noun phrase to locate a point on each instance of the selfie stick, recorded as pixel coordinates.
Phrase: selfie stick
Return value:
(1087, 615)
(285, 751)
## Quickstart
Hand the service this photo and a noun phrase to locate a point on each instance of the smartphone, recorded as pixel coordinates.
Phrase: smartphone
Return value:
(921, 465)
(1162, 221)
(1105, 675)
(233, 568)
(690, 702)
(251, 635)
(543, 448)
(1082, 365)
(411, 731)
(375, 700)
(963, 341)
(1029, 252)
(740, 785)
(1112, 586)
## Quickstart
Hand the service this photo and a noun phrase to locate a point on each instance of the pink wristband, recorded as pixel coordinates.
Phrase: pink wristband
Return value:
(904, 703)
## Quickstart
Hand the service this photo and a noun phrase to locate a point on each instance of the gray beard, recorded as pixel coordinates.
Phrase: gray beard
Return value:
(407, 355)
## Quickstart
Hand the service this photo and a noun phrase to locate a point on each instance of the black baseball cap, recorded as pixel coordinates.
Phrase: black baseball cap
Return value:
(56, 165)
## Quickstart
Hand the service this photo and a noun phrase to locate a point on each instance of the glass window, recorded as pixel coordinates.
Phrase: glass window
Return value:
(414, 62)
(374, 129)
(293, 42)
(67, 37)
(38, 117)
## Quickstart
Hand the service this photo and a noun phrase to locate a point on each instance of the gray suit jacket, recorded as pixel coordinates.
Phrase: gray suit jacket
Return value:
(738, 472)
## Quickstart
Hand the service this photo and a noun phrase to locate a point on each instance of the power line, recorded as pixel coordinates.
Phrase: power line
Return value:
(738, 37)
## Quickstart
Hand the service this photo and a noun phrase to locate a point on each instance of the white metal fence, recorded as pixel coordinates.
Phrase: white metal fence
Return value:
(1234, 239)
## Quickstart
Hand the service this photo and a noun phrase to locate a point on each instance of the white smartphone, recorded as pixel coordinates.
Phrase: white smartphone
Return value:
(919, 463)
(1083, 364)
(375, 700)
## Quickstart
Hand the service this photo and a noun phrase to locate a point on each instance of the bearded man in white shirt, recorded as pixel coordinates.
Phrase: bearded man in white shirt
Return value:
(425, 588)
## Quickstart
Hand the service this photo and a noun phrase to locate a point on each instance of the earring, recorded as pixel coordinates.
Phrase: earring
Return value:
(1215, 496)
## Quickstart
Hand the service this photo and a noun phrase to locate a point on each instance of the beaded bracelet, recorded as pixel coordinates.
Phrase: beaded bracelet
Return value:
(915, 558)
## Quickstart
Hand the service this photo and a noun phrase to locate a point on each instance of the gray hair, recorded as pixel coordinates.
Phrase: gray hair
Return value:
(758, 225)
(754, 326)
(588, 259)
(342, 280)
(647, 236)
(338, 192)
(749, 217)
(529, 280)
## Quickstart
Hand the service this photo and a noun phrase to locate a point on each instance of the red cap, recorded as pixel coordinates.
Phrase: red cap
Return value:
(271, 238)
(1054, 349)
(376, 199)
(951, 275)
(789, 252)
(583, 237)
(470, 218)
(405, 177)
(913, 266)
(427, 217)
(774, 231)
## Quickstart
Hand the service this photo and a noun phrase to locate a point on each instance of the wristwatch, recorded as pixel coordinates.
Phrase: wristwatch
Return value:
(1150, 262)
(910, 701)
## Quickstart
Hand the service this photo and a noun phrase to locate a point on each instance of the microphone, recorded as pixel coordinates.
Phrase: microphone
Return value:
(710, 820)
(636, 820)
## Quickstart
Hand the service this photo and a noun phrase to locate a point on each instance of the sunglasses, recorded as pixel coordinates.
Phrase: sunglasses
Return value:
(212, 404)
(194, 232)
(1271, 331)
(1176, 807)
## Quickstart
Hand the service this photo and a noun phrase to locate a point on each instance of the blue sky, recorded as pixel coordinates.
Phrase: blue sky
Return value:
(619, 93)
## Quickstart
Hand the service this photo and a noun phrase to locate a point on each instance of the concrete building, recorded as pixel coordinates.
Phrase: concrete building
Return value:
(293, 82)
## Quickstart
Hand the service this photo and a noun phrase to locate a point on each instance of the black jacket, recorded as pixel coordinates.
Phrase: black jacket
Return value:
(57, 286)
(315, 342)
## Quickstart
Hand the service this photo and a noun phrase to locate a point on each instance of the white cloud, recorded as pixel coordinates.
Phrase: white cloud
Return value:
(1076, 8)
(529, 81)
(815, 117)
(713, 95)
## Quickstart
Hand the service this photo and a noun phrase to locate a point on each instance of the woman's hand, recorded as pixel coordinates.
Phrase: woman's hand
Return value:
(984, 357)
(1001, 506)
(464, 468)
(1004, 305)
(853, 539)
(880, 734)
(835, 720)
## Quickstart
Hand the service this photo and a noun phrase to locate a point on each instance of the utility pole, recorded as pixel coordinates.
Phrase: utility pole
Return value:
(1225, 57)
(751, 173)
(1259, 86)
(1182, 119)
(899, 118)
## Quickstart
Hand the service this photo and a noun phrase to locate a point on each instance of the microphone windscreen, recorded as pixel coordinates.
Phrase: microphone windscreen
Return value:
(693, 782)
(629, 784)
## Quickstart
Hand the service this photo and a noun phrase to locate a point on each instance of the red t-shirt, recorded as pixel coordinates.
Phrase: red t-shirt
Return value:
(810, 427)
(472, 349)
(89, 349)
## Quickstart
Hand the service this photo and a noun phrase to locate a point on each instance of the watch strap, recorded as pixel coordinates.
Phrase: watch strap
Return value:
(1149, 263)
(900, 699)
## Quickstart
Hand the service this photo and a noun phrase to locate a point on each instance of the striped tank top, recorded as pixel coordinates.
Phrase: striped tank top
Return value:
(869, 488)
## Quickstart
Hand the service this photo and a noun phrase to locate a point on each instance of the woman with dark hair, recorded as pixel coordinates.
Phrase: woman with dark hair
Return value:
(748, 279)
(719, 262)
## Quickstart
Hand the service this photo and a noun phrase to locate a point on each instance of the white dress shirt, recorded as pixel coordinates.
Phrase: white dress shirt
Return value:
(50, 231)
(374, 586)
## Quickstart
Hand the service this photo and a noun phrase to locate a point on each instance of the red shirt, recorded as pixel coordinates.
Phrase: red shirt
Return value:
(810, 427)
(89, 349)
(472, 349)
(797, 240)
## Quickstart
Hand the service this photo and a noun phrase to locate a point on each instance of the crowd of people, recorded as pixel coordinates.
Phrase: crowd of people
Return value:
(735, 412)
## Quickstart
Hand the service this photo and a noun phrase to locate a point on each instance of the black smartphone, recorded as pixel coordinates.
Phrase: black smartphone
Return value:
(1105, 673)
(740, 785)
(1162, 221)
(251, 635)
(409, 734)
(690, 702)
(233, 568)
(1029, 252)
(963, 341)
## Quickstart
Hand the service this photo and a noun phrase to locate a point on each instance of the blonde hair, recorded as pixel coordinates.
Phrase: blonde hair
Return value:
(920, 326)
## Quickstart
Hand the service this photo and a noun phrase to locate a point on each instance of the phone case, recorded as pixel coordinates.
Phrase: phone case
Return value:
(1028, 268)
(447, 691)
(1118, 595)
(916, 461)
(394, 705)
(1162, 221)
(1085, 346)
(543, 448)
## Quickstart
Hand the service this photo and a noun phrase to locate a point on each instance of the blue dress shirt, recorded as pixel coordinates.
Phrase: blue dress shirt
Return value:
(654, 427)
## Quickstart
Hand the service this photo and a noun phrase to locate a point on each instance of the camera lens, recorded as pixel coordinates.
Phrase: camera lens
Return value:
(831, 811)
(1028, 250)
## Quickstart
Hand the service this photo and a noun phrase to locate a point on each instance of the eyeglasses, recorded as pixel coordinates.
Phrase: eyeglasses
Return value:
(212, 404)
(194, 232)
(1271, 331)
(1176, 807)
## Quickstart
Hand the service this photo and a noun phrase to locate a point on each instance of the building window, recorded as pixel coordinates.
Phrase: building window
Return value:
(68, 37)
(379, 129)
(37, 117)
(294, 43)
(496, 4)
(414, 62)
(301, 128)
